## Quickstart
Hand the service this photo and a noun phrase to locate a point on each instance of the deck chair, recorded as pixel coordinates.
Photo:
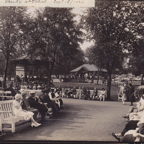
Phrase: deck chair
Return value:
(119, 96)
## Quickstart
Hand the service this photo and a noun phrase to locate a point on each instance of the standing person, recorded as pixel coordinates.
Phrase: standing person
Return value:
(131, 94)
(22, 78)
(127, 91)
(124, 93)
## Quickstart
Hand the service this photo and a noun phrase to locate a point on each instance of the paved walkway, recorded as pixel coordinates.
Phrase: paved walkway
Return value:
(80, 120)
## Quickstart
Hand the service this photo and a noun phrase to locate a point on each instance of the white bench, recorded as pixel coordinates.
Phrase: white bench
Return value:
(8, 121)
(6, 94)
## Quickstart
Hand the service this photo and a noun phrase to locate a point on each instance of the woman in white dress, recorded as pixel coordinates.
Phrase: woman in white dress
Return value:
(18, 111)
(124, 97)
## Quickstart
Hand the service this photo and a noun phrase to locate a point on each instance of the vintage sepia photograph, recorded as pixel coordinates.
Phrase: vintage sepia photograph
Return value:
(72, 70)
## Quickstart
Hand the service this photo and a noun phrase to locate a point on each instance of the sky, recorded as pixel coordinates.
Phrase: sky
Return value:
(78, 12)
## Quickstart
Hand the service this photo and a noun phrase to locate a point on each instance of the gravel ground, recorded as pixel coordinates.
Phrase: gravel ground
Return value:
(80, 120)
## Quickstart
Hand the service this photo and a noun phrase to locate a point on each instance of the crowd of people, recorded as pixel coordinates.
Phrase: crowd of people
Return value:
(84, 92)
(27, 102)
(134, 128)
(127, 93)
(68, 92)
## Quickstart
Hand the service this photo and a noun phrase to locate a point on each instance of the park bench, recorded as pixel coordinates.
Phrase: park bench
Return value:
(98, 94)
(11, 123)
(6, 95)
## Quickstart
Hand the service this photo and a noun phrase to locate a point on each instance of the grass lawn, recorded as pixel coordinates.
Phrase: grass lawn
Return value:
(114, 89)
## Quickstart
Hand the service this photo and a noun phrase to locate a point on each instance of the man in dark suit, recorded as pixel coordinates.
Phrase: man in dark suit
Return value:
(9, 88)
(35, 103)
(131, 94)
(50, 104)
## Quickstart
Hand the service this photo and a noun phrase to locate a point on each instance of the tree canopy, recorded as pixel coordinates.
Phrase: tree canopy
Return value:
(107, 25)
(10, 33)
(53, 35)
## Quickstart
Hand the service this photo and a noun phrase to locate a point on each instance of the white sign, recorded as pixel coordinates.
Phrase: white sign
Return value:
(49, 3)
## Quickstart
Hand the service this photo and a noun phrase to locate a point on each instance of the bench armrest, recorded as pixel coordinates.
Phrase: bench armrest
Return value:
(5, 111)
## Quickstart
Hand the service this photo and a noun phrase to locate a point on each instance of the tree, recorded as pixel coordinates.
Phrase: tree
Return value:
(136, 50)
(65, 67)
(10, 33)
(106, 24)
(53, 35)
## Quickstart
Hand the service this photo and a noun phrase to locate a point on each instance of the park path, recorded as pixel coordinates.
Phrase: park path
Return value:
(80, 120)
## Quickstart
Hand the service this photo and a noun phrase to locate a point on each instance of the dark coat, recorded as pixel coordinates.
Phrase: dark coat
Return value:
(34, 103)
(13, 93)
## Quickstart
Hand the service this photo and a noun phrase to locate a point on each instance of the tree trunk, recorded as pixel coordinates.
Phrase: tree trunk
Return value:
(142, 79)
(49, 72)
(48, 78)
(97, 77)
(5, 72)
(108, 85)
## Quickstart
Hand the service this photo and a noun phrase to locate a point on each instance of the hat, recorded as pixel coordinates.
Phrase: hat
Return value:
(18, 96)
(23, 93)
(32, 92)
(21, 90)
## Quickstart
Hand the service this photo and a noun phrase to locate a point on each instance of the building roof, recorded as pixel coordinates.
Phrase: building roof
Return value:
(26, 57)
(88, 67)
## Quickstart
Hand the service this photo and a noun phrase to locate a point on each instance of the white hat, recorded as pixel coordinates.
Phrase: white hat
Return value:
(18, 96)
(21, 90)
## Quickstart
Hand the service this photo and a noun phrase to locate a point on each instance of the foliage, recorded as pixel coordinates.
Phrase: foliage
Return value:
(107, 24)
(10, 32)
(53, 35)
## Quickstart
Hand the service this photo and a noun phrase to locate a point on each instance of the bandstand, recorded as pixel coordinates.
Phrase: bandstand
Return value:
(28, 68)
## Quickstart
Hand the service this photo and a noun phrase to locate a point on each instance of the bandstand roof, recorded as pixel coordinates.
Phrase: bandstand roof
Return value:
(88, 67)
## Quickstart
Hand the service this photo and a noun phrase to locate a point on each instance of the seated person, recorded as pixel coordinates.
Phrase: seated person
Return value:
(55, 97)
(88, 93)
(131, 125)
(58, 98)
(26, 106)
(66, 91)
(50, 104)
(60, 91)
(138, 108)
(84, 93)
(35, 87)
(95, 96)
(74, 92)
(63, 92)
(70, 92)
(135, 135)
(102, 95)
(79, 93)
(39, 87)
(9, 88)
(35, 103)
(18, 111)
